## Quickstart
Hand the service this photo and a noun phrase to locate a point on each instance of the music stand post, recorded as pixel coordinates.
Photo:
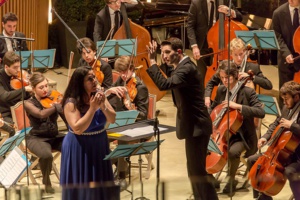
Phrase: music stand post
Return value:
(157, 134)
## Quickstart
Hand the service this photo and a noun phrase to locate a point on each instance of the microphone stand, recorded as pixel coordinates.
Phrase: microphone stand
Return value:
(157, 135)
(19, 42)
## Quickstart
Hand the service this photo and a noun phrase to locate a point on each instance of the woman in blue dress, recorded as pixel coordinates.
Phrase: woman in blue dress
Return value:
(83, 170)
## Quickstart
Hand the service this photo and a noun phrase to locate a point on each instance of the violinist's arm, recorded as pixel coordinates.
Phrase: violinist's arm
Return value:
(295, 128)
(38, 113)
(10, 96)
(214, 81)
(259, 78)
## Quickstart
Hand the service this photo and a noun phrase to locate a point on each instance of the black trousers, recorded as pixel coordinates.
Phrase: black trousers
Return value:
(196, 151)
(42, 148)
(292, 172)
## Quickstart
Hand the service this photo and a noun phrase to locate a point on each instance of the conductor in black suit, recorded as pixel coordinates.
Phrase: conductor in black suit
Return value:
(193, 122)
(9, 25)
(285, 22)
(198, 24)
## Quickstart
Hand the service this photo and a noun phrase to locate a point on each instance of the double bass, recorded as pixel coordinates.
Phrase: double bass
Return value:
(267, 174)
(128, 29)
(217, 38)
(214, 161)
(296, 44)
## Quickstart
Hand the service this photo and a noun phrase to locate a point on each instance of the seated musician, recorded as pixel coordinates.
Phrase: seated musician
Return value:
(9, 96)
(290, 93)
(247, 103)
(127, 93)
(44, 136)
(102, 69)
(238, 53)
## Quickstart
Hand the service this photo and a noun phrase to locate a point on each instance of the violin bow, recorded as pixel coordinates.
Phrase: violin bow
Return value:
(103, 45)
(70, 66)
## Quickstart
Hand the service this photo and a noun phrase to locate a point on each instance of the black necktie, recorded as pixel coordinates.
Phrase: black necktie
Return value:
(212, 12)
(117, 21)
(296, 19)
(13, 45)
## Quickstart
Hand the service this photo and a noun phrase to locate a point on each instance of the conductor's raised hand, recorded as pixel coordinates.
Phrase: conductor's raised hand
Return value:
(152, 49)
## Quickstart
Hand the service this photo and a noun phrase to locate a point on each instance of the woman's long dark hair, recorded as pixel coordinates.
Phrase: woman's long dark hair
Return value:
(75, 90)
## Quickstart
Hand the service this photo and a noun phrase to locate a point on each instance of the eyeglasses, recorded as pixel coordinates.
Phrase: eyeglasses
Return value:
(114, 2)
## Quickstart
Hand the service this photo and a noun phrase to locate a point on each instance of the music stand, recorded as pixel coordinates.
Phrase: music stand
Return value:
(213, 147)
(271, 106)
(13, 141)
(25, 58)
(44, 58)
(259, 40)
(114, 48)
(124, 118)
(128, 150)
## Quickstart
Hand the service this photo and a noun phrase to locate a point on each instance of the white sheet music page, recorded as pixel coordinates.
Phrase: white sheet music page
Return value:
(140, 131)
(12, 167)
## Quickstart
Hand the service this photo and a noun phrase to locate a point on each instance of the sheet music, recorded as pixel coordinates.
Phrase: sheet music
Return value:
(140, 131)
(12, 167)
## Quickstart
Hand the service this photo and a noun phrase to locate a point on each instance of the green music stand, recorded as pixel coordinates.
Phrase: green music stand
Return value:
(213, 147)
(13, 141)
(124, 118)
(128, 150)
(114, 48)
(44, 58)
(25, 58)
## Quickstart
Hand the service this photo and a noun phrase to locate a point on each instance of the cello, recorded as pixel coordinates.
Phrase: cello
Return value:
(296, 44)
(128, 29)
(267, 174)
(220, 43)
(219, 116)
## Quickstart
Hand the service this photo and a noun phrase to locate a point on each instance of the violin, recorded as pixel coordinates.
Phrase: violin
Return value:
(130, 94)
(17, 82)
(53, 97)
(96, 65)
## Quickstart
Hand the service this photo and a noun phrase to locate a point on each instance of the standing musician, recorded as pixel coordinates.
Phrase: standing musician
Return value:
(112, 14)
(285, 21)
(247, 103)
(198, 25)
(9, 25)
(101, 69)
(9, 96)
(44, 136)
(192, 122)
(290, 93)
(238, 53)
(127, 93)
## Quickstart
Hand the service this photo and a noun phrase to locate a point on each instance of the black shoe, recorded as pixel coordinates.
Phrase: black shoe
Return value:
(226, 189)
(217, 184)
(264, 197)
(50, 189)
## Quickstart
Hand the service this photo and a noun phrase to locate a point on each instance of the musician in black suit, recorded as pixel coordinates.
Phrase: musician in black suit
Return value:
(193, 122)
(247, 103)
(238, 53)
(9, 25)
(198, 25)
(284, 26)
(290, 93)
(105, 19)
